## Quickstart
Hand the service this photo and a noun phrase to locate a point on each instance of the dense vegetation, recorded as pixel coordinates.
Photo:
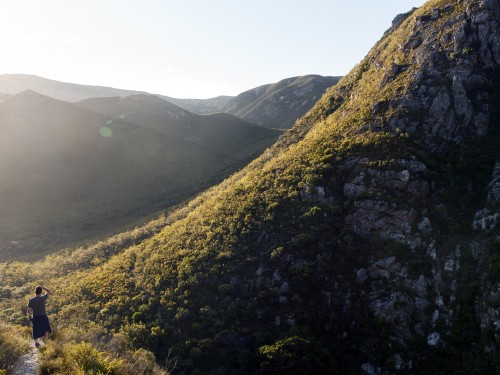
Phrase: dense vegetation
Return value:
(260, 273)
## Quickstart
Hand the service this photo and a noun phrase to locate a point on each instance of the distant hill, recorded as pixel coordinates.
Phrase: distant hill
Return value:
(280, 104)
(11, 84)
(201, 106)
(276, 105)
(70, 174)
(70, 92)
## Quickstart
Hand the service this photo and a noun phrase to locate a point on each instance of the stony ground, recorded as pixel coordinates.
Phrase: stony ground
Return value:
(27, 364)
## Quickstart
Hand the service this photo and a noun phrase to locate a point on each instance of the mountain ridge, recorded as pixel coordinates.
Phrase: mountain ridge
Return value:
(162, 116)
(15, 83)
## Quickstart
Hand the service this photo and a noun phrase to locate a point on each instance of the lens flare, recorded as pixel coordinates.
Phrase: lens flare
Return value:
(105, 132)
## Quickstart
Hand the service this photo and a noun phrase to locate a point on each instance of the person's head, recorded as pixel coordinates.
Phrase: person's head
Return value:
(38, 290)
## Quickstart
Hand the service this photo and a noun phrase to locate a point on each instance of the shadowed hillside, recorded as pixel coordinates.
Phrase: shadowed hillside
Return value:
(212, 132)
(70, 174)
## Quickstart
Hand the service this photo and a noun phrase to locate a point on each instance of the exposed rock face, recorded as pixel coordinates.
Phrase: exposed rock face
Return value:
(460, 53)
(314, 194)
(453, 54)
(372, 215)
(487, 218)
(494, 186)
(450, 101)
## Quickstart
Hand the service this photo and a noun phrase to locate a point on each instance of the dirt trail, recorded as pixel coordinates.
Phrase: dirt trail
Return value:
(27, 364)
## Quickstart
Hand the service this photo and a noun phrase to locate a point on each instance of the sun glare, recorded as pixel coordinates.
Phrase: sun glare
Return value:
(105, 132)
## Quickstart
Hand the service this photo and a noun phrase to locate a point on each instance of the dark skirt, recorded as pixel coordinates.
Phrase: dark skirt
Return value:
(40, 326)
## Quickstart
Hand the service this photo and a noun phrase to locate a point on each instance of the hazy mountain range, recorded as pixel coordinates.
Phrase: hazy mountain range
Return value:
(275, 105)
(70, 92)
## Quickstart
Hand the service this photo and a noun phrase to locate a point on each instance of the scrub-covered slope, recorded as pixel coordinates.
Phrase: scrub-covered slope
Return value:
(365, 240)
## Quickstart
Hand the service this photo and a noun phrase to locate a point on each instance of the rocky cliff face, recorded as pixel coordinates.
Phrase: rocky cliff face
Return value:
(447, 103)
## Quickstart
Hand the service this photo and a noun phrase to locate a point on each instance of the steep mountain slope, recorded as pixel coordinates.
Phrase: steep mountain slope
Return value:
(280, 104)
(70, 174)
(70, 92)
(366, 240)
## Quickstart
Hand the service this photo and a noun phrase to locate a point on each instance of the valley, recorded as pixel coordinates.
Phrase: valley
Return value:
(73, 175)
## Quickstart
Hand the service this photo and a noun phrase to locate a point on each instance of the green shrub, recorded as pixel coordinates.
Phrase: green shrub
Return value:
(78, 358)
(84, 357)
(295, 355)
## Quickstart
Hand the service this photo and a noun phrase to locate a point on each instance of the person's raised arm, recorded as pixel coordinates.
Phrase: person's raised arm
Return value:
(46, 290)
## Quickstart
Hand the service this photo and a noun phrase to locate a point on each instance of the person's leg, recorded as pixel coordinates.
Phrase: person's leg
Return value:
(34, 332)
(46, 337)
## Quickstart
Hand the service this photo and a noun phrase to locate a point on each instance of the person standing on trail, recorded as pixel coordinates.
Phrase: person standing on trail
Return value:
(38, 316)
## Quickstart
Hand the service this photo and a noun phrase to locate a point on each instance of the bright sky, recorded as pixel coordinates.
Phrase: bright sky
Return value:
(189, 48)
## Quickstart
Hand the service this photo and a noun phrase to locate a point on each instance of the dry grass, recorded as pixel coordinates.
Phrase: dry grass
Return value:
(90, 349)
(13, 344)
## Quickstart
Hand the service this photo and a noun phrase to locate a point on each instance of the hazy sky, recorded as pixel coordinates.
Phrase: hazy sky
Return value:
(189, 48)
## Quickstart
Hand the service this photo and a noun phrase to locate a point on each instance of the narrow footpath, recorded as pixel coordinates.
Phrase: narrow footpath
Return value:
(27, 364)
